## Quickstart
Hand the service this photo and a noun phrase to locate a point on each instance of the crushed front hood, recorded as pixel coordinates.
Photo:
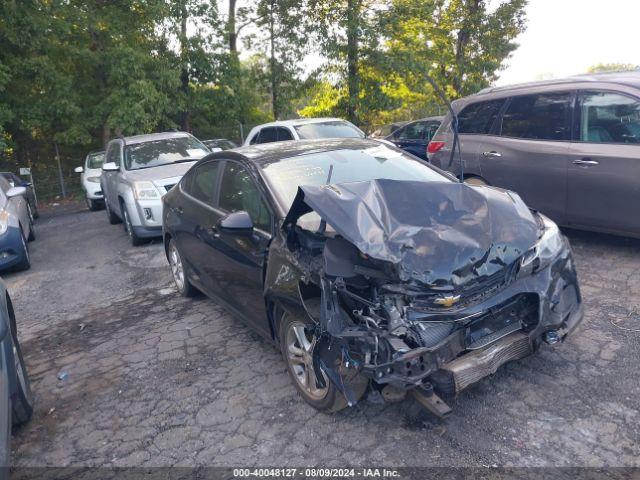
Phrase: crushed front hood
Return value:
(440, 234)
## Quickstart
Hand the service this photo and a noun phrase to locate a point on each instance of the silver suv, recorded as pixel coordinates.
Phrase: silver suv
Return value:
(138, 171)
(570, 148)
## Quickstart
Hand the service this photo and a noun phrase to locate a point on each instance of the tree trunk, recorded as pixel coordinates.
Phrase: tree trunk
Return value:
(185, 116)
(353, 10)
(272, 63)
(106, 134)
(231, 29)
(462, 41)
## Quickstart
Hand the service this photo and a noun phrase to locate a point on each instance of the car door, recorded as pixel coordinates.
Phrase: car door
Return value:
(603, 188)
(412, 138)
(240, 257)
(195, 232)
(529, 153)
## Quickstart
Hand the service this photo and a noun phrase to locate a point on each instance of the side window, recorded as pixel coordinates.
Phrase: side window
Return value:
(284, 134)
(478, 118)
(545, 116)
(607, 117)
(431, 130)
(268, 135)
(413, 131)
(203, 182)
(113, 153)
(239, 192)
(255, 138)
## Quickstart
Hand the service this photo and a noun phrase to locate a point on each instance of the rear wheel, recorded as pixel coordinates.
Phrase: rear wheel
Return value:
(128, 227)
(297, 340)
(183, 285)
(25, 263)
(476, 181)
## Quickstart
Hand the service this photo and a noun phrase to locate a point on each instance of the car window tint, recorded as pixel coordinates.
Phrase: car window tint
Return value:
(239, 192)
(607, 117)
(413, 131)
(268, 135)
(284, 134)
(203, 182)
(478, 118)
(543, 116)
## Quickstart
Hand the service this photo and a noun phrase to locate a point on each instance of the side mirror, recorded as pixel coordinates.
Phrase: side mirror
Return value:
(16, 191)
(110, 167)
(237, 222)
(78, 169)
(26, 184)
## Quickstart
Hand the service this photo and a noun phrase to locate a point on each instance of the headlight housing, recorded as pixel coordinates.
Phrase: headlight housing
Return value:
(93, 179)
(546, 249)
(4, 221)
(145, 191)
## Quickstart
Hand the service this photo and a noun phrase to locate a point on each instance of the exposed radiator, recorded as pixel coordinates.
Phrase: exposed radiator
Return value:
(477, 364)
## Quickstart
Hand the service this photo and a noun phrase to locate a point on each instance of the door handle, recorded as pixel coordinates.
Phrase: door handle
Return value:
(492, 153)
(586, 162)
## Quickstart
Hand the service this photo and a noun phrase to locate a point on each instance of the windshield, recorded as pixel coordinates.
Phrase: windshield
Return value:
(379, 162)
(162, 152)
(95, 160)
(333, 129)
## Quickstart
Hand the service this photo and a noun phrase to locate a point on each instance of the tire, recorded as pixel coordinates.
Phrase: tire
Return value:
(128, 227)
(113, 218)
(183, 285)
(25, 263)
(22, 400)
(32, 233)
(296, 333)
(478, 181)
(92, 205)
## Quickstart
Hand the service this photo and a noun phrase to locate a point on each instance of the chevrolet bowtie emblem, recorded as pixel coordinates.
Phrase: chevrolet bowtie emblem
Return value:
(447, 301)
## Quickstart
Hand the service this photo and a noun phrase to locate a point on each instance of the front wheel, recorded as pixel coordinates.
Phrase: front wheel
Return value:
(22, 400)
(297, 340)
(128, 227)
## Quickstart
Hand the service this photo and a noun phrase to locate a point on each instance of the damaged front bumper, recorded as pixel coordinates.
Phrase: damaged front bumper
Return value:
(460, 345)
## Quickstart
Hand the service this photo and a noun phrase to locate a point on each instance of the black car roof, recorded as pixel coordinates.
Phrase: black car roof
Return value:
(266, 153)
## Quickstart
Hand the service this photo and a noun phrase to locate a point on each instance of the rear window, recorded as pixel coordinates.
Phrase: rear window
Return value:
(478, 118)
(333, 129)
(545, 116)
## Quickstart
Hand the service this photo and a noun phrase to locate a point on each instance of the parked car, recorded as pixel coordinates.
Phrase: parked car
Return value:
(16, 227)
(218, 144)
(569, 147)
(386, 130)
(16, 399)
(90, 180)
(138, 171)
(303, 129)
(415, 136)
(30, 194)
(367, 265)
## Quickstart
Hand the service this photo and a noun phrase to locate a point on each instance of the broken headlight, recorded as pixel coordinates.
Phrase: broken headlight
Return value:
(546, 249)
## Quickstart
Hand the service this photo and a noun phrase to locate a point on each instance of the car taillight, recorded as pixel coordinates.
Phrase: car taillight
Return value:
(434, 147)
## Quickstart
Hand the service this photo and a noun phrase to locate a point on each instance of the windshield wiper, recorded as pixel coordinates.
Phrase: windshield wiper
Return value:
(183, 160)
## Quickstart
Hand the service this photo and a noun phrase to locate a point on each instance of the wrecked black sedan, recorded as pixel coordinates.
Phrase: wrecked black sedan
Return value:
(370, 268)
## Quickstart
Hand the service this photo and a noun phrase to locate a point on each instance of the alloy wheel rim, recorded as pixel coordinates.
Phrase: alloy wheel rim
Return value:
(176, 266)
(300, 343)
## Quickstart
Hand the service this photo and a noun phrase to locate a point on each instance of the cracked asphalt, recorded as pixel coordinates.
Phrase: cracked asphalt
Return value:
(152, 379)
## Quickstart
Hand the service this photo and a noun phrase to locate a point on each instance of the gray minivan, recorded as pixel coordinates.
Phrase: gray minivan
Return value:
(570, 148)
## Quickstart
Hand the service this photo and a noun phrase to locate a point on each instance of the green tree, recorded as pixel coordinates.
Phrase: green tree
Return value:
(613, 67)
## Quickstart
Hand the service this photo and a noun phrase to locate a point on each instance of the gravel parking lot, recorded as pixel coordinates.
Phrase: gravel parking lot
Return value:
(126, 372)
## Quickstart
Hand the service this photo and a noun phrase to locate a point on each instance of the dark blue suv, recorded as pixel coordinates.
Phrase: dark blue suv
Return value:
(415, 136)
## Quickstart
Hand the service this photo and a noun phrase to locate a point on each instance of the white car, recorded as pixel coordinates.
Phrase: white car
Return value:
(303, 129)
(16, 227)
(138, 171)
(90, 179)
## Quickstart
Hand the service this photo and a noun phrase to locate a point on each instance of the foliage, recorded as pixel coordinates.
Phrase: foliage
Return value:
(613, 67)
